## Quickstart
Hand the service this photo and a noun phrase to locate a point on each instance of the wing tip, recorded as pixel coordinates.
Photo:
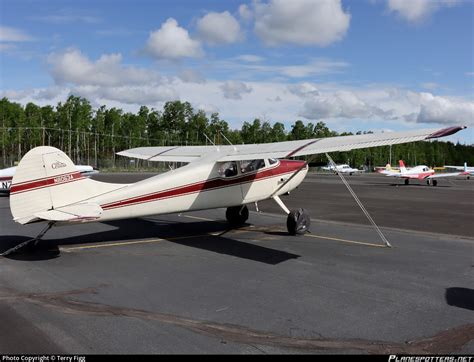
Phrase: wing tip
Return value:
(446, 132)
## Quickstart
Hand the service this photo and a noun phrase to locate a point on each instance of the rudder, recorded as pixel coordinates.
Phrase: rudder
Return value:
(46, 179)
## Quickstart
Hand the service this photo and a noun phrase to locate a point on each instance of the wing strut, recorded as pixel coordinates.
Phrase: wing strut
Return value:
(382, 236)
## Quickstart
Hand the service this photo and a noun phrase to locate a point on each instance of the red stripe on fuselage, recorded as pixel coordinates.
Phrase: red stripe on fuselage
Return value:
(46, 182)
(284, 167)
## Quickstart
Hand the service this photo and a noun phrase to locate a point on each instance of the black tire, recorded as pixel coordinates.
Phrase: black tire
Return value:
(407, 181)
(298, 222)
(435, 182)
(237, 215)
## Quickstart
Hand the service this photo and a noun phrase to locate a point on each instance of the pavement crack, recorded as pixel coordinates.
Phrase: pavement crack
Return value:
(447, 341)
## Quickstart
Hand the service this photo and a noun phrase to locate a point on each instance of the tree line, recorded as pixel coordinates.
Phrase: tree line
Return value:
(93, 136)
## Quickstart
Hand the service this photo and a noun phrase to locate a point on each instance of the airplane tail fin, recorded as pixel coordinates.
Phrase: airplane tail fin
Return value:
(402, 167)
(47, 186)
(465, 166)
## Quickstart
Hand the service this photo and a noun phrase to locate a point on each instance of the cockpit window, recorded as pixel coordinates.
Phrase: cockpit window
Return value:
(251, 165)
(272, 161)
(228, 169)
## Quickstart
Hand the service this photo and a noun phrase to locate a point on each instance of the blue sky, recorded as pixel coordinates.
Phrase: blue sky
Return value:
(357, 65)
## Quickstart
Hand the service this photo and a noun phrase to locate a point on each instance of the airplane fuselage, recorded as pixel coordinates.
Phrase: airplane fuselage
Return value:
(199, 187)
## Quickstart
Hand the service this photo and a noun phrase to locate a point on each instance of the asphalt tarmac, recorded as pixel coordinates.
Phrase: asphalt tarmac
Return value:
(187, 284)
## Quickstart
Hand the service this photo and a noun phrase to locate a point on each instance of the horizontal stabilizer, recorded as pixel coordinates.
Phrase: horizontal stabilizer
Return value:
(73, 212)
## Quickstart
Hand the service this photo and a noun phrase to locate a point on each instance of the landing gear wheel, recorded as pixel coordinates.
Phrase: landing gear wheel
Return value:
(407, 181)
(435, 182)
(237, 215)
(298, 222)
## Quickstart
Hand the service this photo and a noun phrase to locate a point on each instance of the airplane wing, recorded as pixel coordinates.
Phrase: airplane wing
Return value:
(450, 174)
(285, 149)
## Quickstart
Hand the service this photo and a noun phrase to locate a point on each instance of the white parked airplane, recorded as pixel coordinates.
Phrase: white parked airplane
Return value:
(344, 168)
(469, 171)
(418, 173)
(47, 187)
(6, 176)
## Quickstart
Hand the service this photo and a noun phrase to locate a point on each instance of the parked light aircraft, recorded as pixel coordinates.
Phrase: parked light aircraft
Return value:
(468, 171)
(344, 168)
(6, 176)
(48, 188)
(418, 173)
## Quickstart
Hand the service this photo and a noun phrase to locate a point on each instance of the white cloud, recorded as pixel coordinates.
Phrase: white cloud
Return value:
(71, 66)
(303, 90)
(388, 104)
(140, 95)
(245, 13)
(219, 28)
(234, 89)
(341, 104)
(418, 10)
(191, 76)
(312, 68)
(434, 109)
(172, 42)
(303, 22)
(9, 34)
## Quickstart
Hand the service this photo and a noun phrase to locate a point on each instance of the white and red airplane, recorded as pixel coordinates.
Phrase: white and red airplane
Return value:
(6, 176)
(48, 188)
(418, 173)
(344, 168)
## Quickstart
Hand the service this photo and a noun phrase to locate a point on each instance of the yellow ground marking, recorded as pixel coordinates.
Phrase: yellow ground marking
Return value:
(345, 240)
(310, 235)
(148, 241)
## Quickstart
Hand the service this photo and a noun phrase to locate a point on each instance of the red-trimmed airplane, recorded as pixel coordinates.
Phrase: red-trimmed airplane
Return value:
(419, 173)
(48, 188)
(6, 176)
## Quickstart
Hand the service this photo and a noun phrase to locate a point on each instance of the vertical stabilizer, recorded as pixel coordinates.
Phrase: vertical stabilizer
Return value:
(402, 167)
(47, 180)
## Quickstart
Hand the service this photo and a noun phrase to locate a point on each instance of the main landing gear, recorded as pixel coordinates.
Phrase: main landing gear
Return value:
(298, 221)
(237, 215)
(407, 181)
(433, 182)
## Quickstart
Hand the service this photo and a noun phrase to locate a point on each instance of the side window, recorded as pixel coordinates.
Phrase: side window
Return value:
(272, 161)
(251, 165)
(228, 169)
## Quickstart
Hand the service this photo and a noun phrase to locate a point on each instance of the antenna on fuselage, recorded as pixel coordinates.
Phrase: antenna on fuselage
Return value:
(223, 135)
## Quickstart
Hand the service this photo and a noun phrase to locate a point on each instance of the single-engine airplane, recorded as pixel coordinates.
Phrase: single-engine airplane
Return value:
(419, 173)
(468, 170)
(48, 188)
(344, 169)
(6, 176)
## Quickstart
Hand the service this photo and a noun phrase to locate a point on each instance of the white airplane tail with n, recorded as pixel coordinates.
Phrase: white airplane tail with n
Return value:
(47, 186)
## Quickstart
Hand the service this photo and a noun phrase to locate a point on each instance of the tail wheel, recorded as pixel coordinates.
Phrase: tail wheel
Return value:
(237, 215)
(298, 222)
